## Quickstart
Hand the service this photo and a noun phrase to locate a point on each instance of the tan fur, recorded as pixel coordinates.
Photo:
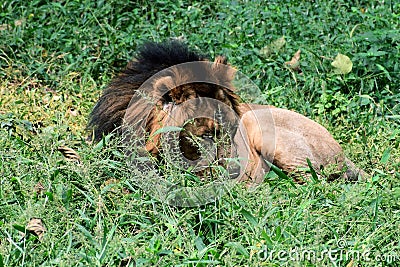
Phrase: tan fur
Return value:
(287, 139)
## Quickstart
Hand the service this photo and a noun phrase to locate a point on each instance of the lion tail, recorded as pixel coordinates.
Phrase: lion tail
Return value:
(108, 113)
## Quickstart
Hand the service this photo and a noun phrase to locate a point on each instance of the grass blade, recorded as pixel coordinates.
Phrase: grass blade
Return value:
(314, 176)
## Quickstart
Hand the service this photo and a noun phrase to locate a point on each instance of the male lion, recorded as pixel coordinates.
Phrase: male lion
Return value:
(167, 80)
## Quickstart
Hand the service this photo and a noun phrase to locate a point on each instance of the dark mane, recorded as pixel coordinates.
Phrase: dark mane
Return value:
(166, 54)
(151, 58)
(109, 112)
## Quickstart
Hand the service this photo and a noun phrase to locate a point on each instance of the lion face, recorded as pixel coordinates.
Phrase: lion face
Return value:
(203, 141)
(197, 97)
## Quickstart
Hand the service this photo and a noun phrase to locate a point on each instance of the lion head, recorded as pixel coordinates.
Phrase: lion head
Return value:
(169, 85)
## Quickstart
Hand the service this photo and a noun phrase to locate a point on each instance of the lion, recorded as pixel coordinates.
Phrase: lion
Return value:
(162, 82)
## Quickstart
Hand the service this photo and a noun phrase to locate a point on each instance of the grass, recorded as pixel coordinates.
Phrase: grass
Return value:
(55, 58)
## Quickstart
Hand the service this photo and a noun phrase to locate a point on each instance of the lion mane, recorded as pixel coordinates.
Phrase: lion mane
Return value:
(157, 69)
(108, 114)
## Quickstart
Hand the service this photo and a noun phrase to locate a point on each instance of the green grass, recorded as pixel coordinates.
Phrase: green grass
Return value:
(57, 56)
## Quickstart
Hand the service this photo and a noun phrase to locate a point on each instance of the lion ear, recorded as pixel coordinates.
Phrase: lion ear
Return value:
(164, 84)
(222, 70)
(220, 60)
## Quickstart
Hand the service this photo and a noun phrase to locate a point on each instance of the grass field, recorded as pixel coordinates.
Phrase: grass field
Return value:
(57, 56)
